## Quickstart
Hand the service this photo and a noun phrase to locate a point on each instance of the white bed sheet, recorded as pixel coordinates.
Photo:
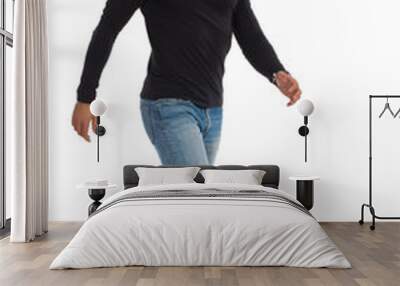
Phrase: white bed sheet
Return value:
(200, 232)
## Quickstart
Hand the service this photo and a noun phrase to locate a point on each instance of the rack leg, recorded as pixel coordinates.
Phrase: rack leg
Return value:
(372, 210)
(361, 221)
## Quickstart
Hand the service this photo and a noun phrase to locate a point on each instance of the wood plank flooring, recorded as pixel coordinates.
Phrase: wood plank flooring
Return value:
(375, 257)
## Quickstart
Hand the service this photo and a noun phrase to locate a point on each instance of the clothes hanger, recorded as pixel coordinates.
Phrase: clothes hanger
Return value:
(387, 107)
(397, 113)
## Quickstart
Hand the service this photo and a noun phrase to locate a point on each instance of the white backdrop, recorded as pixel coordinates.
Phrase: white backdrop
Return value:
(339, 50)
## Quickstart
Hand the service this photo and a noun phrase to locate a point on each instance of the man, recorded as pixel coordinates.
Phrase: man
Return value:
(181, 100)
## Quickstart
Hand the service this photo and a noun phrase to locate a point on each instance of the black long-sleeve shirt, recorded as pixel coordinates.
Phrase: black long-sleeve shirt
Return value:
(190, 40)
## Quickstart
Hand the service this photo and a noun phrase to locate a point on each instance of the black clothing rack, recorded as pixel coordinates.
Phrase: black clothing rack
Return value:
(370, 204)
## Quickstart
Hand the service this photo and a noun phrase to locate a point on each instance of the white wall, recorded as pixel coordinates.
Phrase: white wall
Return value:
(340, 51)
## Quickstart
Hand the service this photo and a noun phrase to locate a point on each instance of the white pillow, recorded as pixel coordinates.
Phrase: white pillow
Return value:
(248, 177)
(165, 176)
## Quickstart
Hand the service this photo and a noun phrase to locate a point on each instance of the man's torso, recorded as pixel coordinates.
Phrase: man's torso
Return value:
(190, 41)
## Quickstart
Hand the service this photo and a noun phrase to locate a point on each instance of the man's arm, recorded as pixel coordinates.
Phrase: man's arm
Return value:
(115, 16)
(259, 52)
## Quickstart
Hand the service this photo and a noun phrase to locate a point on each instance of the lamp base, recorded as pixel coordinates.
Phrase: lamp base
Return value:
(100, 130)
(304, 131)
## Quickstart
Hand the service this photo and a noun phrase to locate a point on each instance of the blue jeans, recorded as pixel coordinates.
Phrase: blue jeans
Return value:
(182, 133)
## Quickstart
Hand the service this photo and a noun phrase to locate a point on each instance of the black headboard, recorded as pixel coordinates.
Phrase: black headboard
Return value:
(271, 177)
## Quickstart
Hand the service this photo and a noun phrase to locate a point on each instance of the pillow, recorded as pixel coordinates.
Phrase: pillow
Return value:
(166, 176)
(248, 177)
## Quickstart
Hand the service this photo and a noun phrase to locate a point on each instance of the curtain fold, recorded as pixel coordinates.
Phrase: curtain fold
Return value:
(29, 123)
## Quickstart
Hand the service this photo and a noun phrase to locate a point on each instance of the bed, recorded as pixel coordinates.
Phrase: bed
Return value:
(198, 224)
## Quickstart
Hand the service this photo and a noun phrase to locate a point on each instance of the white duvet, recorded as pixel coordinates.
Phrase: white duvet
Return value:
(200, 231)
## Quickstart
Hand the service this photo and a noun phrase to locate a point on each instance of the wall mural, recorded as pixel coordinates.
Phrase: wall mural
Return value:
(182, 96)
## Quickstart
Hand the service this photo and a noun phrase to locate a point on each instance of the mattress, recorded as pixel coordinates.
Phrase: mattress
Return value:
(201, 225)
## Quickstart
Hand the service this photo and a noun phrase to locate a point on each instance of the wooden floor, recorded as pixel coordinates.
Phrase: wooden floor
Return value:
(375, 257)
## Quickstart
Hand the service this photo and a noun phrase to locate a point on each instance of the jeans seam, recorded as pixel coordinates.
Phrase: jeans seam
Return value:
(208, 123)
(156, 119)
(151, 121)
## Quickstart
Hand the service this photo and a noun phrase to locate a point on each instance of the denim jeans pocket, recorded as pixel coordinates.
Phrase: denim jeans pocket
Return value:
(172, 108)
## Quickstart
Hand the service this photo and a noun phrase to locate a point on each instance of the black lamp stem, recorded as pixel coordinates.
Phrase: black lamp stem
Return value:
(98, 137)
(305, 139)
(305, 151)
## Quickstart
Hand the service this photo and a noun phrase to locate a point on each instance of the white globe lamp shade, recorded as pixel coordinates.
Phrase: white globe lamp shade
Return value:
(98, 107)
(305, 107)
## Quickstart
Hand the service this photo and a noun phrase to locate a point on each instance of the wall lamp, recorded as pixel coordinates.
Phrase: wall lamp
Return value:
(305, 108)
(98, 108)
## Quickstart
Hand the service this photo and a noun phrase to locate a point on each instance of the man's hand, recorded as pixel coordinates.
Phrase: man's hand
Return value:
(288, 86)
(81, 119)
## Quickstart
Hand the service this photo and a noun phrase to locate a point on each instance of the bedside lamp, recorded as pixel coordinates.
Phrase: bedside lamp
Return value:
(305, 108)
(98, 108)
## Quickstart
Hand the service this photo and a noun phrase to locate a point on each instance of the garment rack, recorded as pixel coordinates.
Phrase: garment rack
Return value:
(370, 204)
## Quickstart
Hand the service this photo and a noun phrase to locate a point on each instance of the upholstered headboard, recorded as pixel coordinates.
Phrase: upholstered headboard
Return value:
(271, 177)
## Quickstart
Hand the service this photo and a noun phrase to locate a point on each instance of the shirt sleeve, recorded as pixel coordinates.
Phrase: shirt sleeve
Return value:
(251, 39)
(115, 16)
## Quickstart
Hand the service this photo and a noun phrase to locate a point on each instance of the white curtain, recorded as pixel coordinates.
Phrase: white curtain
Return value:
(28, 148)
